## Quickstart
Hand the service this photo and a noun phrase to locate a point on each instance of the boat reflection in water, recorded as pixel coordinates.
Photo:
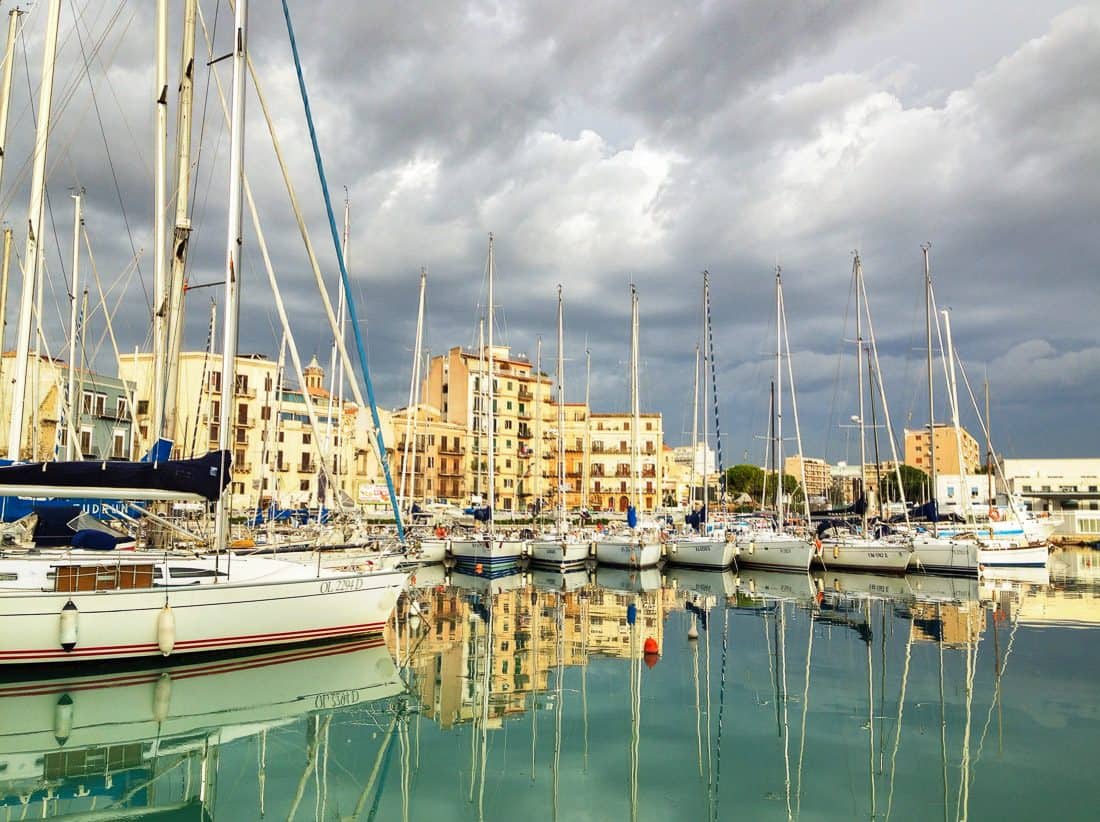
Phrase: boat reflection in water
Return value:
(148, 743)
(915, 692)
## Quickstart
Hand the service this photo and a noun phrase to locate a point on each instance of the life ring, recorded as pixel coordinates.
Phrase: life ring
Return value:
(994, 514)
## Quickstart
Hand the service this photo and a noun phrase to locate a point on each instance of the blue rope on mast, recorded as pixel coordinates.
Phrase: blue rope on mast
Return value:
(350, 299)
(714, 391)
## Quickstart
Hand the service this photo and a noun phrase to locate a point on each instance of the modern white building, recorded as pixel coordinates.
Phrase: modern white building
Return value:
(701, 457)
(1066, 488)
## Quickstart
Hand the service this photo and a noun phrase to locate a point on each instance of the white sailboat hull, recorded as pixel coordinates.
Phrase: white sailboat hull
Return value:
(774, 551)
(945, 556)
(704, 582)
(206, 618)
(432, 550)
(628, 552)
(791, 585)
(1016, 557)
(702, 552)
(491, 553)
(564, 553)
(865, 555)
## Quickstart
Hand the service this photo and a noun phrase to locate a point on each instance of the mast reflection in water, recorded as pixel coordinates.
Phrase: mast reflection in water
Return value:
(531, 696)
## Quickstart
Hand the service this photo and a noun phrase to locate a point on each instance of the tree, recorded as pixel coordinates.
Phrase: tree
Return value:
(914, 483)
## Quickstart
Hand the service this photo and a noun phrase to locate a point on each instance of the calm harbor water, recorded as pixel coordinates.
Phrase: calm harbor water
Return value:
(530, 697)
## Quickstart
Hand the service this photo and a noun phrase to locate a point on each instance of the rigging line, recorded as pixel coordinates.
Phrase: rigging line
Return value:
(196, 166)
(836, 374)
(111, 167)
(717, 423)
(344, 277)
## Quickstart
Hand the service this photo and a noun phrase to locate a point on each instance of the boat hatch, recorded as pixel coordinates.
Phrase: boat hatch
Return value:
(68, 578)
(190, 573)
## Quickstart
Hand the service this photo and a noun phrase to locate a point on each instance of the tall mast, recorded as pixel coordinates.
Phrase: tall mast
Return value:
(587, 479)
(5, 268)
(779, 395)
(5, 85)
(561, 416)
(964, 495)
(706, 357)
(538, 424)
(341, 330)
(72, 413)
(988, 451)
(408, 475)
(695, 435)
(857, 268)
(635, 412)
(479, 402)
(181, 231)
(32, 255)
(931, 396)
(160, 199)
(233, 271)
(491, 411)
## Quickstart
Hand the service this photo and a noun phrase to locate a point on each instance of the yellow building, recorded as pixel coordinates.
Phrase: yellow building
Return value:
(611, 446)
(276, 451)
(918, 452)
(818, 474)
(436, 456)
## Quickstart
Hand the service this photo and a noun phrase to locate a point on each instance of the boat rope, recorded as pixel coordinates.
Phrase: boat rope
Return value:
(714, 391)
(349, 296)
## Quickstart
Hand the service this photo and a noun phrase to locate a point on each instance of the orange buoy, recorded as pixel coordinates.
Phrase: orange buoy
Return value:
(650, 646)
(652, 659)
(477, 568)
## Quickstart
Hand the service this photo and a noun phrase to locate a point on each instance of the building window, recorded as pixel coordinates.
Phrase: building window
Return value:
(86, 441)
(143, 407)
(241, 435)
(118, 445)
(215, 381)
(121, 409)
(240, 384)
(265, 413)
(303, 485)
(307, 438)
(87, 398)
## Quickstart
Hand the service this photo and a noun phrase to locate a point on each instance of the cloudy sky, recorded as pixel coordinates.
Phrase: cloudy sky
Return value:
(618, 142)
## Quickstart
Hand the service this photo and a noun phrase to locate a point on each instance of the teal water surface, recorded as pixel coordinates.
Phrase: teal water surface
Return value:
(531, 697)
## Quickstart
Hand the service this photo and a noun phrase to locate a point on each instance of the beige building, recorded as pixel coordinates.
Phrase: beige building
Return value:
(276, 449)
(918, 452)
(526, 420)
(428, 462)
(818, 474)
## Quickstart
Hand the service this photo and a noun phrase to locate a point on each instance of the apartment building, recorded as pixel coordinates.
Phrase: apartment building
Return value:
(428, 462)
(276, 446)
(612, 477)
(102, 423)
(918, 450)
(818, 475)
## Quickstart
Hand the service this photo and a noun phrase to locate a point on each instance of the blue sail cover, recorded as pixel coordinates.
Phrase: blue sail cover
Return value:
(203, 476)
(632, 516)
(696, 518)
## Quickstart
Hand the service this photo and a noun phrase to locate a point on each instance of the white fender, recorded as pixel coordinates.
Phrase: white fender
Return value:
(162, 697)
(63, 719)
(69, 627)
(166, 630)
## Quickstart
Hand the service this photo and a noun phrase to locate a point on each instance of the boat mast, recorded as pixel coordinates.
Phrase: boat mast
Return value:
(988, 451)
(72, 414)
(538, 428)
(5, 86)
(32, 255)
(694, 434)
(561, 419)
(779, 397)
(232, 263)
(587, 478)
(635, 412)
(479, 402)
(160, 199)
(931, 396)
(491, 411)
(4, 288)
(181, 229)
(706, 356)
(964, 495)
(857, 269)
(408, 475)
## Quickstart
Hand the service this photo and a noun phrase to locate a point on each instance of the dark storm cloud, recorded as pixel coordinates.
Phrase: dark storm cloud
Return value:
(621, 142)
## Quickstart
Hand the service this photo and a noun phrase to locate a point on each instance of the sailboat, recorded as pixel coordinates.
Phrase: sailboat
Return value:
(489, 551)
(845, 547)
(640, 545)
(764, 542)
(81, 606)
(711, 546)
(563, 548)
